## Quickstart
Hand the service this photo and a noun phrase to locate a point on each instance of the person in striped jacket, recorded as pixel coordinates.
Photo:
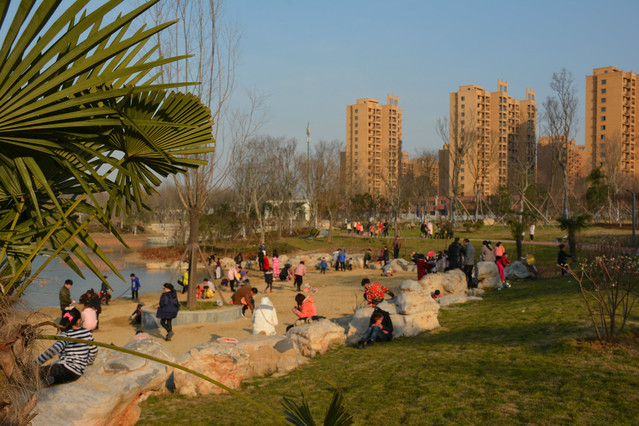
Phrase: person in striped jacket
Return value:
(73, 357)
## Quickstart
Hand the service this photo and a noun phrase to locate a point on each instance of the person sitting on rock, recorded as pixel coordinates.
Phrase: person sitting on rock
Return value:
(374, 292)
(436, 295)
(380, 329)
(306, 310)
(265, 318)
(73, 357)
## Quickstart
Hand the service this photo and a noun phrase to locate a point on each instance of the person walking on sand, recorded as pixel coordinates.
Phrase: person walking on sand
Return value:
(65, 297)
(135, 287)
(299, 273)
(168, 309)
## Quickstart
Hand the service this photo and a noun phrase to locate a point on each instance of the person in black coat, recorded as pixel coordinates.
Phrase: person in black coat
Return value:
(380, 329)
(455, 253)
(168, 309)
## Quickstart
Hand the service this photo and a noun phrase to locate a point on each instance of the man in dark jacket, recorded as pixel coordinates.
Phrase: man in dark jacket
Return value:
(455, 252)
(380, 329)
(65, 296)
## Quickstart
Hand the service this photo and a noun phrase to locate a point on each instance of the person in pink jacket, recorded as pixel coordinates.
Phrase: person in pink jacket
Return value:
(299, 273)
(305, 306)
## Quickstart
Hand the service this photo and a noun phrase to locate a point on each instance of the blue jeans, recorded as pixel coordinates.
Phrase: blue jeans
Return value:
(375, 334)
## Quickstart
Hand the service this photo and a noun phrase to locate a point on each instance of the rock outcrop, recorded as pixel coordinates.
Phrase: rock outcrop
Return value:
(488, 275)
(220, 361)
(314, 339)
(109, 391)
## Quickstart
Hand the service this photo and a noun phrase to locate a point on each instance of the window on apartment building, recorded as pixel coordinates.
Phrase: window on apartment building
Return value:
(603, 118)
(463, 98)
(463, 106)
(462, 170)
(355, 146)
(603, 91)
(356, 153)
(603, 81)
(356, 131)
(356, 124)
(603, 109)
(462, 114)
(603, 100)
(603, 137)
(355, 141)
(603, 127)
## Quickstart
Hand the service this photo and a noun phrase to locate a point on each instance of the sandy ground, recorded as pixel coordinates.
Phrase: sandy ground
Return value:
(338, 294)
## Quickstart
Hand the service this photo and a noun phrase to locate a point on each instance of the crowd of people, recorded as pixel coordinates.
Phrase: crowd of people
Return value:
(73, 358)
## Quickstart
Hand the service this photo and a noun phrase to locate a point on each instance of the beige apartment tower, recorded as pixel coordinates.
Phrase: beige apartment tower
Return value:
(492, 141)
(611, 113)
(373, 146)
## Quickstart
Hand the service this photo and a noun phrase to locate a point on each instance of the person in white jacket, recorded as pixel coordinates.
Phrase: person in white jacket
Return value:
(265, 318)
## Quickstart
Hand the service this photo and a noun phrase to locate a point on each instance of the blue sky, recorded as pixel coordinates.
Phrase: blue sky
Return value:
(312, 58)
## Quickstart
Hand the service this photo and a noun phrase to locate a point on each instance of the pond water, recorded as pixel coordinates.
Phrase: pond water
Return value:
(43, 292)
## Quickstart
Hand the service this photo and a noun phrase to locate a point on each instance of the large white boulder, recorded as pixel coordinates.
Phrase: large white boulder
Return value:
(488, 275)
(270, 355)
(110, 389)
(412, 325)
(314, 339)
(451, 282)
(220, 361)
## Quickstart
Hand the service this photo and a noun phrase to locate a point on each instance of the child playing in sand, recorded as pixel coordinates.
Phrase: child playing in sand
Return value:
(268, 278)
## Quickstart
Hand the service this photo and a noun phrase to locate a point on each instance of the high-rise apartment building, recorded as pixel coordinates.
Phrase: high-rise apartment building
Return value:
(373, 146)
(611, 141)
(491, 140)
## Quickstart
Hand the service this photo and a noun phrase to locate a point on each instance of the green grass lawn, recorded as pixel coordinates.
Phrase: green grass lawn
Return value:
(522, 355)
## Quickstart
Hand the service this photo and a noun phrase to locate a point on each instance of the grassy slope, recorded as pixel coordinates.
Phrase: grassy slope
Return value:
(514, 357)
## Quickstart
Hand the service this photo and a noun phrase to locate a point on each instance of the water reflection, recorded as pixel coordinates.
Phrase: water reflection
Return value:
(44, 290)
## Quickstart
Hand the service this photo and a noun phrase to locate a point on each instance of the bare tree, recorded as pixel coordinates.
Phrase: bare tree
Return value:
(560, 121)
(286, 168)
(612, 151)
(251, 180)
(203, 33)
(422, 182)
(457, 140)
(325, 183)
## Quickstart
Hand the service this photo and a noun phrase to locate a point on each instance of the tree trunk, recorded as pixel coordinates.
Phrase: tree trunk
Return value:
(572, 244)
(194, 224)
(330, 228)
(519, 248)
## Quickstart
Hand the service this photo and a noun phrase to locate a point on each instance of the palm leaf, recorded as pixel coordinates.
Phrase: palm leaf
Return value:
(67, 95)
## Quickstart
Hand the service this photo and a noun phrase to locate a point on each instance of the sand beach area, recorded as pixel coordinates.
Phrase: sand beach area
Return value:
(337, 295)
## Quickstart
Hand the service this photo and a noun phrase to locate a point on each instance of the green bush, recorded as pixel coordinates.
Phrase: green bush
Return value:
(469, 226)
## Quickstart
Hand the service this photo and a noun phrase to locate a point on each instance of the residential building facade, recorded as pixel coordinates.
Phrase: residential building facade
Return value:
(492, 141)
(611, 115)
(373, 146)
